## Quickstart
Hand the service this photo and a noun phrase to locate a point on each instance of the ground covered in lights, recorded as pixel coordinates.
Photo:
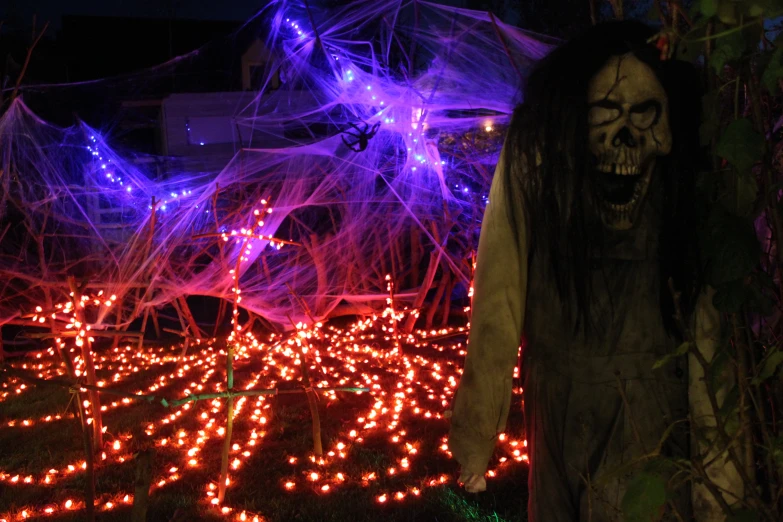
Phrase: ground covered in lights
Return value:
(385, 453)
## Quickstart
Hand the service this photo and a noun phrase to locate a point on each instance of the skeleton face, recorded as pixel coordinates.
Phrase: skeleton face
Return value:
(628, 128)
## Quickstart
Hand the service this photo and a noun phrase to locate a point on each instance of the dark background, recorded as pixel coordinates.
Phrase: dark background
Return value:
(144, 50)
(97, 38)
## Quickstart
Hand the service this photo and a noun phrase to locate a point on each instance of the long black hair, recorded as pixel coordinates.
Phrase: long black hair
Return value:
(551, 124)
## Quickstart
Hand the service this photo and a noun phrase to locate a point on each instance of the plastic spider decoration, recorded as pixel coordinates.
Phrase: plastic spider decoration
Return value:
(360, 136)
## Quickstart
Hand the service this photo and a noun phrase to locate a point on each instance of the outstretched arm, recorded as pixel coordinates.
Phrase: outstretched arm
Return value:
(483, 397)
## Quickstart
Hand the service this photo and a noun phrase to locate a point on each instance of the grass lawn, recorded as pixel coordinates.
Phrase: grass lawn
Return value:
(384, 452)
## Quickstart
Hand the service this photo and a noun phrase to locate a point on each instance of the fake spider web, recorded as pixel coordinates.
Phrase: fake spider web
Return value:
(436, 83)
(373, 138)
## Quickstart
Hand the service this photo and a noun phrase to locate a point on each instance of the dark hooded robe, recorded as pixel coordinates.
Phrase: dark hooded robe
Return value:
(595, 409)
(577, 423)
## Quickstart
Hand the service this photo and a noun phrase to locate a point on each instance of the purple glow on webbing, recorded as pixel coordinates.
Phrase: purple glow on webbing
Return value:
(418, 133)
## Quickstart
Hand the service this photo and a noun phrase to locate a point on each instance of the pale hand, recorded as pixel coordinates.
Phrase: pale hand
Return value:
(473, 483)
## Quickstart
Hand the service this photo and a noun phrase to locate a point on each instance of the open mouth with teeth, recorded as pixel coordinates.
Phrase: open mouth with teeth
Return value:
(620, 187)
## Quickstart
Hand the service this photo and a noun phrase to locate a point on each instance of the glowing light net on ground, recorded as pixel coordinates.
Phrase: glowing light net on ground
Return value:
(402, 413)
(420, 90)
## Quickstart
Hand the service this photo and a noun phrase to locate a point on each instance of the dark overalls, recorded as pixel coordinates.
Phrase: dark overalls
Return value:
(579, 426)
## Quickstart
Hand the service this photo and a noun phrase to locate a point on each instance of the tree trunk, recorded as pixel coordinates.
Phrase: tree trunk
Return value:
(723, 473)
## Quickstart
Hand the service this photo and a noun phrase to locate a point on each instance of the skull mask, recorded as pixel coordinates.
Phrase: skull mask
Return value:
(628, 128)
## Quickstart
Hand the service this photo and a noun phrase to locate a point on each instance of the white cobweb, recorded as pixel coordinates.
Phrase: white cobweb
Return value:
(436, 82)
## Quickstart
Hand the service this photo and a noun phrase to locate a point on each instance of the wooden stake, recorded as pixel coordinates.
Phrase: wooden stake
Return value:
(397, 350)
(230, 379)
(425, 287)
(154, 314)
(118, 308)
(185, 347)
(312, 401)
(472, 272)
(436, 300)
(395, 268)
(195, 330)
(221, 313)
(379, 254)
(265, 265)
(89, 367)
(226, 448)
(89, 484)
(36, 39)
(320, 271)
(175, 304)
(444, 319)
(144, 321)
(142, 484)
(312, 398)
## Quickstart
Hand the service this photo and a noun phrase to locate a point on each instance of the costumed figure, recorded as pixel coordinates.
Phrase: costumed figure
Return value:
(590, 214)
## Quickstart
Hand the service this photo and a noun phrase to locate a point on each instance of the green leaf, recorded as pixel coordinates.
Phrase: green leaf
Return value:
(765, 280)
(747, 192)
(689, 48)
(736, 191)
(729, 246)
(663, 361)
(716, 369)
(743, 515)
(660, 465)
(769, 366)
(730, 402)
(689, 51)
(708, 7)
(729, 297)
(740, 145)
(773, 72)
(732, 424)
(707, 131)
(727, 12)
(706, 435)
(681, 350)
(654, 13)
(777, 450)
(728, 48)
(762, 7)
(645, 496)
(710, 122)
(760, 302)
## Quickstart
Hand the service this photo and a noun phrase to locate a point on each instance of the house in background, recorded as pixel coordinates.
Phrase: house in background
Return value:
(140, 80)
(164, 93)
(203, 124)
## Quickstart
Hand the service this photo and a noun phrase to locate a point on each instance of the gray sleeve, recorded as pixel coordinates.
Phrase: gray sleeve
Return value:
(483, 397)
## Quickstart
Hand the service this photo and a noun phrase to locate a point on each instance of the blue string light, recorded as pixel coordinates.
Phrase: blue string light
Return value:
(105, 165)
(349, 76)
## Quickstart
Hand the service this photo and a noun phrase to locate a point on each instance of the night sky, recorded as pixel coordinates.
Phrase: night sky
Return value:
(560, 18)
(233, 10)
(52, 10)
